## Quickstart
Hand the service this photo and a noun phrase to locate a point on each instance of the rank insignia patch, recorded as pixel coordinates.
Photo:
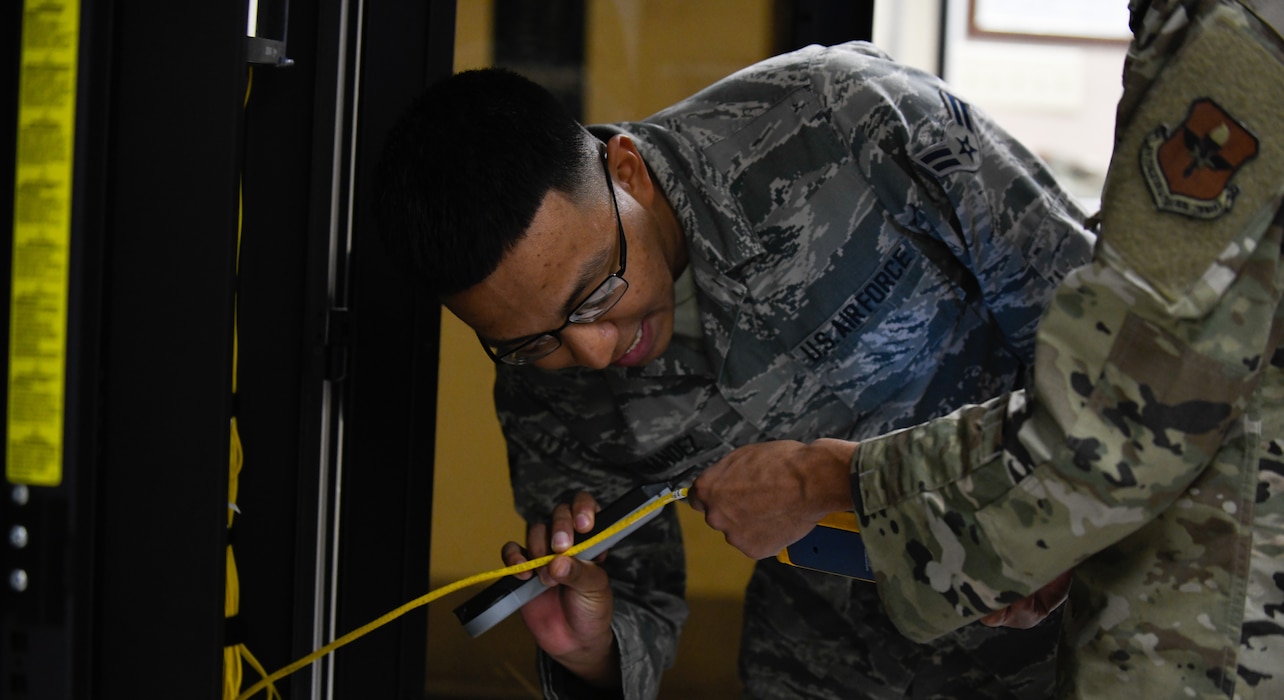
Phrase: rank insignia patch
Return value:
(960, 149)
(1188, 169)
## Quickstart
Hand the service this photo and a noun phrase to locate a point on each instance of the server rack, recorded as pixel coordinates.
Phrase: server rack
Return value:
(124, 555)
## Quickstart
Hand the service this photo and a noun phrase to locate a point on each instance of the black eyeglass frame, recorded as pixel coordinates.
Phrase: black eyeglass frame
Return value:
(508, 356)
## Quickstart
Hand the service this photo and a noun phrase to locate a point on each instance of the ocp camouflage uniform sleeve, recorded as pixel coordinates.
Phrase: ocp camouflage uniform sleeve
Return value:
(969, 513)
(1148, 379)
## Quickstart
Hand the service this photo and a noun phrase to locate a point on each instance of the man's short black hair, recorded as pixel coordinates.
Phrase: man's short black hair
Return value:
(465, 169)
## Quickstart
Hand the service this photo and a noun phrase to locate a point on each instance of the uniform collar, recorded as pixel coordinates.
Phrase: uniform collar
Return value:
(712, 220)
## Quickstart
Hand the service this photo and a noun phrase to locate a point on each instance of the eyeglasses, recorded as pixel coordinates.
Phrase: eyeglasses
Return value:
(602, 299)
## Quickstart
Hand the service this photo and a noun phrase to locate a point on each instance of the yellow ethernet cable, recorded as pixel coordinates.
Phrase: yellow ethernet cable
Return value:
(461, 584)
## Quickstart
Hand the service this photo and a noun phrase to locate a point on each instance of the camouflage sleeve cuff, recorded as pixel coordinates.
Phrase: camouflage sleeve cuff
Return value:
(853, 468)
(913, 489)
(893, 468)
(557, 683)
(638, 679)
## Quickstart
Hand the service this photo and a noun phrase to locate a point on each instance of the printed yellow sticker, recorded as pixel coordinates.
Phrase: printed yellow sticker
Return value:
(41, 241)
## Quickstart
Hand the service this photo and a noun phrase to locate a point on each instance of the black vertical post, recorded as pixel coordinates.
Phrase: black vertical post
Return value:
(168, 227)
(391, 390)
(338, 359)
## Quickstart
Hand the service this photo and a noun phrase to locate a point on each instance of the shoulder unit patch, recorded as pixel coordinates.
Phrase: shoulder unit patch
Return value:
(1188, 168)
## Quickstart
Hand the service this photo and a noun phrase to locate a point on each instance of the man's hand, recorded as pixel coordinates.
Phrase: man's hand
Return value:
(571, 621)
(1030, 610)
(767, 496)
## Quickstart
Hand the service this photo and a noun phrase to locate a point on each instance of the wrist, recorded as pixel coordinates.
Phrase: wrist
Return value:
(560, 681)
(831, 490)
(592, 666)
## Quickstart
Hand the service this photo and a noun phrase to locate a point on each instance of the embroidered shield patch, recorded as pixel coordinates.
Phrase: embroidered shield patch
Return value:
(1188, 168)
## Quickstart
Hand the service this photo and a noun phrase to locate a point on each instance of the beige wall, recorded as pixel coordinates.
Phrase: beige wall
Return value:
(1056, 95)
(643, 55)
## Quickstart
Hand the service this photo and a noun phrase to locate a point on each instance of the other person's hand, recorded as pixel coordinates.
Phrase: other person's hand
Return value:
(1030, 610)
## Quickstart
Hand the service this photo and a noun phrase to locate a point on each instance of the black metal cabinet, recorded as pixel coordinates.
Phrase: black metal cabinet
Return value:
(336, 373)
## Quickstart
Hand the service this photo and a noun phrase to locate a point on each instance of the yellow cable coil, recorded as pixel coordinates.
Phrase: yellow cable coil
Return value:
(458, 585)
(234, 655)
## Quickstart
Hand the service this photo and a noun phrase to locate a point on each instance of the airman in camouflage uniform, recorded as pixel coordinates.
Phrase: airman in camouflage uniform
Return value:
(866, 252)
(1148, 456)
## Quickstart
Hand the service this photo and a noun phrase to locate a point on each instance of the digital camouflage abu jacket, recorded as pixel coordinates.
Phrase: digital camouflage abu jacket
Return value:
(869, 252)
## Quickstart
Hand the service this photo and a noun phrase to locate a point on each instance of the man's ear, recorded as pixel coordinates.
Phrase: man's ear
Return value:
(629, 170)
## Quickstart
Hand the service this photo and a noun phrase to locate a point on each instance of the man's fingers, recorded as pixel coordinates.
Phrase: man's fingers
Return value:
(537, 546)
(562, 536)
(561, 569)
(512, 555)
(537, 540)
(578, 575)
(583, 510)
(693, 500)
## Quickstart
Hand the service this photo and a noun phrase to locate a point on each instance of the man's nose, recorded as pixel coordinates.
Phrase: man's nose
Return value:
(591, 345)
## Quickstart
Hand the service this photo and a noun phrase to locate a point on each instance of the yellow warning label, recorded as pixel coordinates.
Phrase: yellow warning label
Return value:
(41, 241)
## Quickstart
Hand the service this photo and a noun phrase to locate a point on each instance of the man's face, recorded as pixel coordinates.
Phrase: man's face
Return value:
(567, 252)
